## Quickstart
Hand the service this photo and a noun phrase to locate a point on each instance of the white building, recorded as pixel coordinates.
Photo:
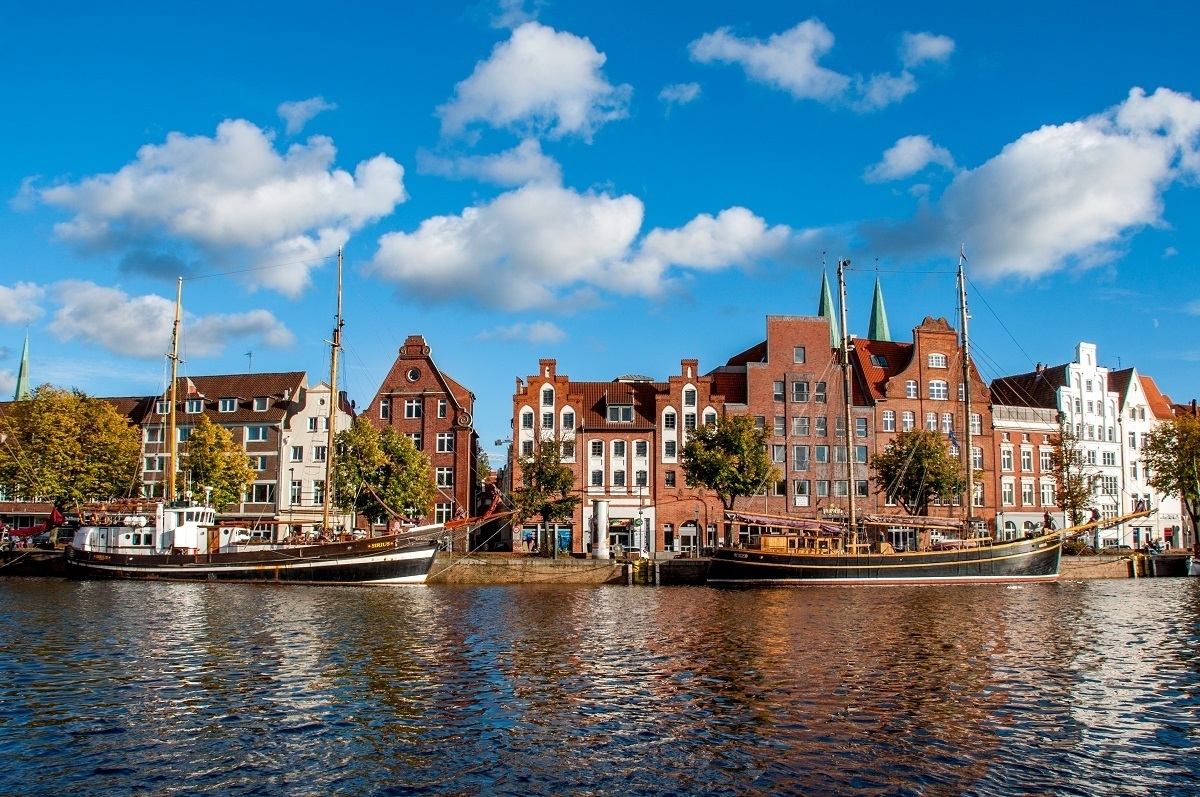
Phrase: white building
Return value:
(304, 449)
(1141, 406)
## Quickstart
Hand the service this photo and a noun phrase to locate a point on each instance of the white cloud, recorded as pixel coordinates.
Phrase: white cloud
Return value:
(1170, 251)
(512, 13)
(140, 326)
(680, 93)
(550, 247)
(1062, 195)
(920, 48)
(882, 90)
(908, 156)
(298, 114)
(533, 332)
(230, 196)
(539, 81)
(525, 163)
(19, 304)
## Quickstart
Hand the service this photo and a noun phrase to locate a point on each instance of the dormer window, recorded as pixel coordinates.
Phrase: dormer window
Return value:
(260, 403)
(620, 413)
(879, 361)
(194, 406)
(937, 361)
(162, 407)
(227, 405)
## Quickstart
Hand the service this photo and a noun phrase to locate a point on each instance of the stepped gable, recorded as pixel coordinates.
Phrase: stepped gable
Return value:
(878, 361)
(1033, 389)
(1160, 405)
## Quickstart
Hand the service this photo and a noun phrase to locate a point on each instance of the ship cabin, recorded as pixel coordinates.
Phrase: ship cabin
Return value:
(156, 529)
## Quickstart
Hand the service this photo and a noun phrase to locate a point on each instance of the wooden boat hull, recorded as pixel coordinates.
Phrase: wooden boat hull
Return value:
(1024, 560)
(382, 560)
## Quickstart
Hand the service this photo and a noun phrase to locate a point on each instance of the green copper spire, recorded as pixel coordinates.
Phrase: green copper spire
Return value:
(878, 329)
(22, 391)
(825, 310)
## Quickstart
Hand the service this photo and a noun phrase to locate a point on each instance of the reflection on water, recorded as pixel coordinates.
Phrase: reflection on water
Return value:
(1071, 688)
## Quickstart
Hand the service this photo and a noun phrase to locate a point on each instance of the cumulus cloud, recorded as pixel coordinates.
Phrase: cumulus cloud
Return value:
(298, 114)
(790, 61)
(920, 48)
(539, 81)
(532, 332)
(229, 197)
(548, 246)
(525, 163)
(908, 156)
(513, 13)
(679, 93)
(1063, 195)
(20, 303)
(140, 326)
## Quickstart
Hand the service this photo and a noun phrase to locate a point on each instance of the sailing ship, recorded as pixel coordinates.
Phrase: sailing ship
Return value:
(179, 540)
(787, 550)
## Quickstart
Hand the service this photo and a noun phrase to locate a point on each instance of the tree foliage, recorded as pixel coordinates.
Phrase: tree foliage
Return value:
(1170, 454)
(546, 486)
(65, 447)
(1073, 480)
(215, 467)
(916, 468)
(374, 472)
(729, 457)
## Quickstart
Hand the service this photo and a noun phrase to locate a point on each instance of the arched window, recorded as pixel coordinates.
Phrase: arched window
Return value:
(937, 361)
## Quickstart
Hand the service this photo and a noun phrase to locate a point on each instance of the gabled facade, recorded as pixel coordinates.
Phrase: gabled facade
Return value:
(303, 464)
(418, 400)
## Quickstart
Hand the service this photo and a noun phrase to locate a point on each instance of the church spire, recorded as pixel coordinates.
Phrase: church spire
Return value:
(878, 328)
(825, 310)
(22, 391)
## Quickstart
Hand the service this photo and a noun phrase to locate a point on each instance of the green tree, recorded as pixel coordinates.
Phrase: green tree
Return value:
(1073, 481)
(546, 489)
(65, 447)
(215, 467)
(483, 469)
(916, 468)
(1170, 455)
(376, 471)
(730, 458)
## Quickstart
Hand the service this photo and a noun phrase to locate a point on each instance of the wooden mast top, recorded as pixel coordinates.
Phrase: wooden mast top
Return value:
(335, 347)
(172, 435)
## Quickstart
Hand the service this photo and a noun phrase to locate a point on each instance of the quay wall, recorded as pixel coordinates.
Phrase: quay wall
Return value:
(507, 569)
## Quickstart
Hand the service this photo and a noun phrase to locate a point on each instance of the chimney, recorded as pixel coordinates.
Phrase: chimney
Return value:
(1040, 368)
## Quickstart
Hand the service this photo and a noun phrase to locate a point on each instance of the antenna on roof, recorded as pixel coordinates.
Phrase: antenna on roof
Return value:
(250, 363)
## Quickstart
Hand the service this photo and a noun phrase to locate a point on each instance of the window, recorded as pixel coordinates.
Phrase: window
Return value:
(319, 453)
(1027, 494)
(839, 427)
(1027, 460)
(861, 488)
(620, 413)
(800, 458)
(312, 424)
(1007, 494)
(443, 406)
(441, 512)
(780, 488)
(962, 393)
(385, 408)
(879, 360)
(931, 421)
(689, 420)
(937, 361)
(889, 420)
(185, 433)
(162, 407)
(908, 421)
(669, 420)
(445, 442)
(1091, 407)
(1048, 498)
(819, 393)
(1006, 459)
(568, 449)
(1089, 385)
(797, 354)
(689, 397)
(822, 489)
(547, 420)
(860, 427)
(262, 493)
(154, 434)
(418, 440)
(910, 389)
(976, 423)
(1044, 461)
(155, 463)
(800, 492)
(800, 427)
(840, 488)
(669, 478)
(1110, 458)
(1109, 485)
(860, 454)
(526, 448)
(760, 422)
(976, 457)
(194, 406)
(260, 403)
(413, 408)
(822, 454)
(527, 420)
(318, 497)
(777, 391)
(778, 428)
(839, 453)
(444, 476)
(778, 452)
(822, 427)
(1133, 440)
(640, 478)
(618, 448)
(947, 422)
(597, 478)
(1090, 456)
(258, 463)
(710, 418)
(256, 434)
(618, 478)
(640, 447)
(597, 448)
(297, 453)
(568, 420)
(297, 492)
(939, 390)
(547, 397)
(800, 392)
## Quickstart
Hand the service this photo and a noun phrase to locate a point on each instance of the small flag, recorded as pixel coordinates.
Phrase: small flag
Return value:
(953, 439)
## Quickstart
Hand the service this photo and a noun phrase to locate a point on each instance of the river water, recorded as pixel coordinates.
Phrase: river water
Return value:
(1072, 688)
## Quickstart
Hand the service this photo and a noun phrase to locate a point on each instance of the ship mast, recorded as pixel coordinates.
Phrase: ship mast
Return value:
(852, 522)
(966, 376)
(172, 435)
(335, 347)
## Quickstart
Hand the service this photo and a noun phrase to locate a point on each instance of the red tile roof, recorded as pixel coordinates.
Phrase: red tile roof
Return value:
(875, 377)
(596, 396)
(1160, 405)
(755, 354)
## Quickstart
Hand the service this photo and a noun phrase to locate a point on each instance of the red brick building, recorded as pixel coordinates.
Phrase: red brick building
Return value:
(417, 399)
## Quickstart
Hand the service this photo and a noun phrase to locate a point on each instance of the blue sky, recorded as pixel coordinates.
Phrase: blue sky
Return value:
(616, 185)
